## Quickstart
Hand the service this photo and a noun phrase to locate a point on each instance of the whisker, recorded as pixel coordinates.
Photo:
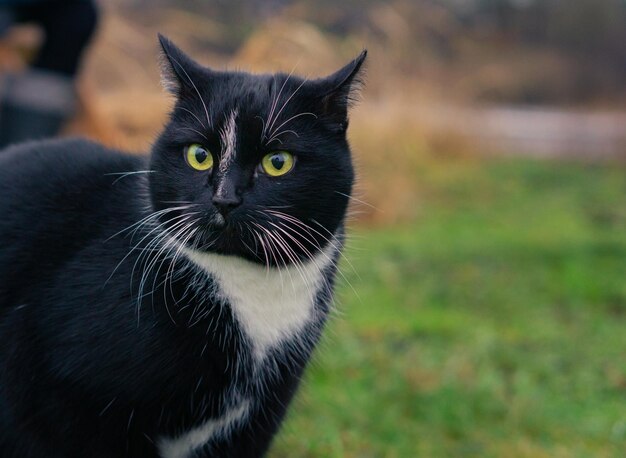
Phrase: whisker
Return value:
(298, 264)
(302, 247)
(275, 136)
(264, 249)
(170, 239)
(148, 218)
(175, 201)
(208, 119)
(135, 247)
(275, 101)
(125, 174)
(192, 114)
(275, 252)
(194, 130)
(284, 106)
(170, 271)
(309, 229)
(339, 242)
(153, 244)
(291, 119)
(358, 200)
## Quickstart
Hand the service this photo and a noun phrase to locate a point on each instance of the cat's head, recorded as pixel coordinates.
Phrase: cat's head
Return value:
(256, 166)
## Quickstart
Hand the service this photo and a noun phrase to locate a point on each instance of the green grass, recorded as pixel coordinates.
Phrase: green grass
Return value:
(494, 325)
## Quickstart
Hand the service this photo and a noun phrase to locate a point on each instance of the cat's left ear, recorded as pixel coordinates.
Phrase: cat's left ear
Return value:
(178, 70)
(339, 91)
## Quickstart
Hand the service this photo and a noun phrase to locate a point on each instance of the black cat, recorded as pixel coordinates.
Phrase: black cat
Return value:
(167, 306)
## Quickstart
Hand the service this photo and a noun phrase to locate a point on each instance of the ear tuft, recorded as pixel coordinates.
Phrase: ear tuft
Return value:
(342, 89)
(169, 77)
(177, 68)
(354, 79)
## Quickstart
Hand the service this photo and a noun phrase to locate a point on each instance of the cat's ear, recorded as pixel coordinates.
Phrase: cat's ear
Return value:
(178, 70)
(339, 91)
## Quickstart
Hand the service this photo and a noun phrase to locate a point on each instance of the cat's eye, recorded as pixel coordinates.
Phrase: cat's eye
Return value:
(198, 157)
(277, 163)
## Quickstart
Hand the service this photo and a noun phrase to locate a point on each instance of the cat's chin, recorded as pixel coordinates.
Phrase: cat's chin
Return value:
(218, 222)
(227, 240)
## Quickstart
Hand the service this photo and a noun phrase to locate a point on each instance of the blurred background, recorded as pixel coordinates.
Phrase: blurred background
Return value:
(482, 309)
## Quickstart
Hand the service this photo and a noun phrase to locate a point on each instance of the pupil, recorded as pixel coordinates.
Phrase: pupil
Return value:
(278, 162)
(201, 155)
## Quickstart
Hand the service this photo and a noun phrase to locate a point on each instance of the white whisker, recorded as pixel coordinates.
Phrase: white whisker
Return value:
(358, 200)
(192, 114)
(208, 119)
(284, 106)
(125, 174)
(291, 119)
(194, 130)
(275, 102)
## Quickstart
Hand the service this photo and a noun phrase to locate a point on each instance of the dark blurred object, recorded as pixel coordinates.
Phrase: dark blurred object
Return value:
(590, 34)
(531, 52)
(37, 102)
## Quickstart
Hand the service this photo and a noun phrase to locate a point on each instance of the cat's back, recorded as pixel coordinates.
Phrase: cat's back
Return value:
(63, 185)
(36, 173)
(58, 196)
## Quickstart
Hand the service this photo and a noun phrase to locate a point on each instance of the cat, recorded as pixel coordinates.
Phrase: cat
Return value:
(166, 306)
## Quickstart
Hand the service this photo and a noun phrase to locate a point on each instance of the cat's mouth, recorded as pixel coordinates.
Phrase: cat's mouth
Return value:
(217, 221)
(264, 242)
(226, 236)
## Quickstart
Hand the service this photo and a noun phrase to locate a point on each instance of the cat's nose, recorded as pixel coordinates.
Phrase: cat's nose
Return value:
(225, 204)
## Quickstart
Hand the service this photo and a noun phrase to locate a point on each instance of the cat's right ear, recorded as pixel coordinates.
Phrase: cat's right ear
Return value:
(178, 70)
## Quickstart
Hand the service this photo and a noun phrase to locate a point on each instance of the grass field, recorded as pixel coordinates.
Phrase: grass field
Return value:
(491, 324)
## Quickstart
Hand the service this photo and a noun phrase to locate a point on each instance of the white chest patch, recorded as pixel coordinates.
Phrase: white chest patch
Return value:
(183, 445)
(271, 305)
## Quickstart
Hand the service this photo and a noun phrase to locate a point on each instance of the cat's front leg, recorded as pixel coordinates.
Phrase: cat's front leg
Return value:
(15, 444)
(252, 437)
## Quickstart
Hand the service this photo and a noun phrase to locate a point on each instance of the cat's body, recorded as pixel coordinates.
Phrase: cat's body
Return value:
(128, 332)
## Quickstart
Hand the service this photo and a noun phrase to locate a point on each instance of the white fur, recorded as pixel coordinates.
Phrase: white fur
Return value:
(183, 445)
(271, 305)
(228, 137)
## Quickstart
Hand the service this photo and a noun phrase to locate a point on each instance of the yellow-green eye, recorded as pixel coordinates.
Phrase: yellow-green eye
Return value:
(277, 163)
(198, 157)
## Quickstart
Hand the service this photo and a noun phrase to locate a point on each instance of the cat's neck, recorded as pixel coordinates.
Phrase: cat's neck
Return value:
(272, 305)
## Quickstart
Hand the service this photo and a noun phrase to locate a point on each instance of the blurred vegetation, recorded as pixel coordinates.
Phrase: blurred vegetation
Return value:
(505, 51)
(566, 53)
(491, 325)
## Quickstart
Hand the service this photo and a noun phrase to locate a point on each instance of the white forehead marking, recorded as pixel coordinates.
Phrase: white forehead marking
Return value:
(271, 305)
(185, 444)
(228, 137)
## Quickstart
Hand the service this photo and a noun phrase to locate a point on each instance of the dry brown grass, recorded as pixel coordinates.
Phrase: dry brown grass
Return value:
(124, 106)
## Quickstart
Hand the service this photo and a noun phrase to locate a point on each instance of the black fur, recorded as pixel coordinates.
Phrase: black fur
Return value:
(109, 343)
